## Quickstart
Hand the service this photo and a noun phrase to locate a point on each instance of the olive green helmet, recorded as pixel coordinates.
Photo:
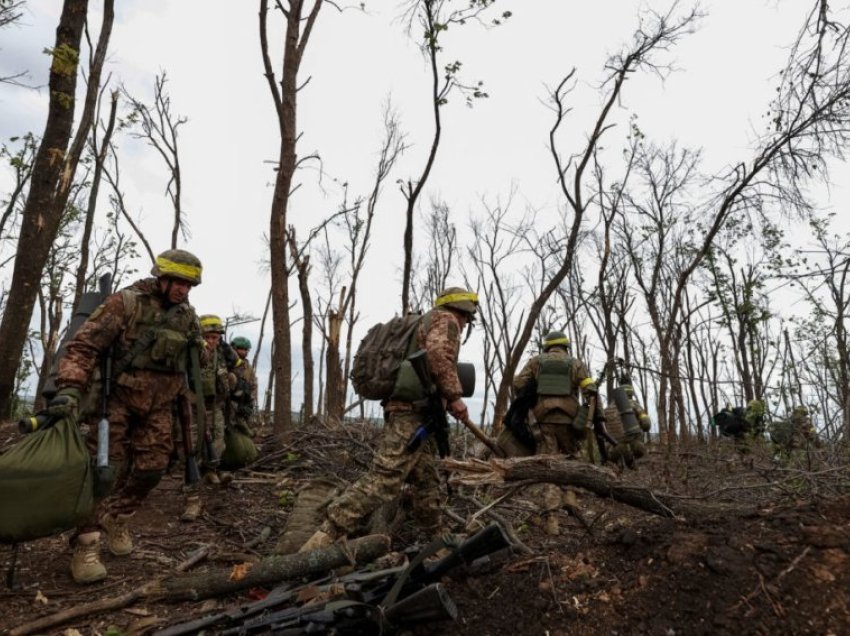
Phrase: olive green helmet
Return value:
(555, 339)
(240, 342)
(459, 299)
(178, 264)
(210, 323)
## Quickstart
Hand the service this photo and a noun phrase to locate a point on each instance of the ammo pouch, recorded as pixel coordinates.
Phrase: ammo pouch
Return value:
(169, 350)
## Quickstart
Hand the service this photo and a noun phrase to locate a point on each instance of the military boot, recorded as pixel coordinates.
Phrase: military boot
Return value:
(323, 537)
(118, 538)
(85, 563)
(193, 509)
(212, 478)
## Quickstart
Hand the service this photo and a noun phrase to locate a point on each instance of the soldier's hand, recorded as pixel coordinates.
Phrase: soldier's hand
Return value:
(66, 403)
(458, 409)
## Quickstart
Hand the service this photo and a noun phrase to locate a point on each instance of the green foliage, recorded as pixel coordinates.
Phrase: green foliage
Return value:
(286, 498)
(65, 60)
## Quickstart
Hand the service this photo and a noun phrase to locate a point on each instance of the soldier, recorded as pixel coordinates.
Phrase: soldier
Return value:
(438, 334)
(802, 430)
(217, 381)
(149, 327)
(244, 396)
(560, 378)
(640, 413)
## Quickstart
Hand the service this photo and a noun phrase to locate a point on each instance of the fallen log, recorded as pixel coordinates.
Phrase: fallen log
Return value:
(596, 479)
(220, 581)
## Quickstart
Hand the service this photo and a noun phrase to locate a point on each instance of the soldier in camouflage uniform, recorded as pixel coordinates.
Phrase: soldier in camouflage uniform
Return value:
(561, 378)
(149, 327)
(438, 334)
(244, 395)
(217, 381)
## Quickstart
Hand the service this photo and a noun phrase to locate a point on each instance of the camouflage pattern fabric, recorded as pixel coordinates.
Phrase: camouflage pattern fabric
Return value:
(554, 415)
(557, 409)
(139, 407)
(243, 408)
(439, 337)
(391, 468)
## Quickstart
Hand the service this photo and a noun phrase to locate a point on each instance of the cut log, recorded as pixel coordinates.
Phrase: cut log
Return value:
(220, 581)
(596, 479)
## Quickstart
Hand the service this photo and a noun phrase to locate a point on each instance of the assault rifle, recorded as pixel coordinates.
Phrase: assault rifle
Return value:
(204, 436)
(436, 423)
(184, 416)
(362, 602)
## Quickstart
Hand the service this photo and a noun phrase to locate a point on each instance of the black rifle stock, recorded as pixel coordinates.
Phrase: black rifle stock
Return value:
(184, 415)
(204, 439)
(363, 602)
(436, 423)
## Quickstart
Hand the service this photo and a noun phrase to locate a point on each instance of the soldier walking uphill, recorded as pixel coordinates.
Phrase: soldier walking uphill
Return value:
(560, 379)
(438, 335)
(149, 327)
(217, 381)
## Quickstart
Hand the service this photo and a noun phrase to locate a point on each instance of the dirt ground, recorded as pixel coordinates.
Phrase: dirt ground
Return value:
(779, 567)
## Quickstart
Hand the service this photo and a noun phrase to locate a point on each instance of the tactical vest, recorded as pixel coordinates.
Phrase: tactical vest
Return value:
(209, 373)
(168, 350)
(555, 376)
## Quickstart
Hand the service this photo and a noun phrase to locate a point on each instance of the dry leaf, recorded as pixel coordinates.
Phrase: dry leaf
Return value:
(142, 626)
(41, 598)
(137, 611)
(239, 571)
(71, 632)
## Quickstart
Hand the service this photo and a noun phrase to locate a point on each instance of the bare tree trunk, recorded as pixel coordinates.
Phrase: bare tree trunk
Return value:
(99, 159)
(53, 171)
(285, 101)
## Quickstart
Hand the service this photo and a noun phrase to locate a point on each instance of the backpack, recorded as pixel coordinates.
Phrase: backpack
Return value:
(239, 448)
(48, 483)
(380, 354)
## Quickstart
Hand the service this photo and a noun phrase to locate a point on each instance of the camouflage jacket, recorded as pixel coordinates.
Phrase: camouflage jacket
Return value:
(246, 380)
(438, 335)
(114, 324)
(551, 408)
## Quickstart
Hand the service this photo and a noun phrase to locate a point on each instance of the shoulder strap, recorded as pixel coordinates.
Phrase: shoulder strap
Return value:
(143, 342)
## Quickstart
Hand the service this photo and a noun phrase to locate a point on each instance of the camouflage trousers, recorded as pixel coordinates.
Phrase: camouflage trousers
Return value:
(555, 439)
(140, 441)
(391, 468)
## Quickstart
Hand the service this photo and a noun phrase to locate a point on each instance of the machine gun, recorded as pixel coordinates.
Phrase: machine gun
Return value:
(362, 602)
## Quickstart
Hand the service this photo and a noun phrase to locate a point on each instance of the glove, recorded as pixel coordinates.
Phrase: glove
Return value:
(65, 404)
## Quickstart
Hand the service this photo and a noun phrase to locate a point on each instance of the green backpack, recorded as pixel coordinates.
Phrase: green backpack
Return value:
(47, 484)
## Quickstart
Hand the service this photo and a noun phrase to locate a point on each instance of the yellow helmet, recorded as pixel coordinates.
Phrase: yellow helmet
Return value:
(555, 339)
(178, 264)
(459, 299)
(210, 323)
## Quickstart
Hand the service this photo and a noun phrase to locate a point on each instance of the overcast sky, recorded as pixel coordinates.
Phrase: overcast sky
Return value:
(357, 61)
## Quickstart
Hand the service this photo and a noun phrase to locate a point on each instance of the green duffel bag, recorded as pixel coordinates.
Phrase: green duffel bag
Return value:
(239, 448)
(46, 484)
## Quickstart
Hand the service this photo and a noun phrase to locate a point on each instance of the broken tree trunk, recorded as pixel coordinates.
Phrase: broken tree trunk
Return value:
(598, 480)
(220, 581)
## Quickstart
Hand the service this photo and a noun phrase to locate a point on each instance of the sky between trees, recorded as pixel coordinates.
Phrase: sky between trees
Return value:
(357, 62)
